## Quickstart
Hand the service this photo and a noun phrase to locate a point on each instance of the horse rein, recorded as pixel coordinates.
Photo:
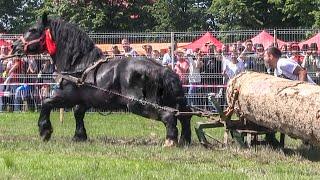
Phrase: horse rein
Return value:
(11, 56)
(26, 43)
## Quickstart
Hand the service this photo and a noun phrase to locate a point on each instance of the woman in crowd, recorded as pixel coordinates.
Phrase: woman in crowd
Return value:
(195, 65)
(115, 52)
(181, 67)
(148, 50)
(284, 50)
(156, 56)
(234, 66)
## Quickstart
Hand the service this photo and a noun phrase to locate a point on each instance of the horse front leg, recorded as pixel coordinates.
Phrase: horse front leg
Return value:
(80, 132)
(45, 127)
(170, 121)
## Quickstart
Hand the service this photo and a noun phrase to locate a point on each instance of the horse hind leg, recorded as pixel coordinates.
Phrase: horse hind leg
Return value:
(168, 118)
(80, 132)
(185, 137)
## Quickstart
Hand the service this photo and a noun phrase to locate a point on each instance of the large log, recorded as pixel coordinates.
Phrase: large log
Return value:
(290, 107)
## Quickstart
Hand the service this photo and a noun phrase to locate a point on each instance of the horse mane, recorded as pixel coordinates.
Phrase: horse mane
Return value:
(75, 50)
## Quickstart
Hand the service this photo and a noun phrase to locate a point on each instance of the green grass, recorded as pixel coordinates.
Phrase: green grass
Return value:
(125, 146)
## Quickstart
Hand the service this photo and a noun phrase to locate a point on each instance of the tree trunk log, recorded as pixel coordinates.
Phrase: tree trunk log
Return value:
(290, 107)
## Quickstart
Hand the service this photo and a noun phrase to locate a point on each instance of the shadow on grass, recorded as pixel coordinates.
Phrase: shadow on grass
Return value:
(309, 152)
(106, 140)
(129, 141)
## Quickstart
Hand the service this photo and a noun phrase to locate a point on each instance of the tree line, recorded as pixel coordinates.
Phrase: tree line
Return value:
(163, 15)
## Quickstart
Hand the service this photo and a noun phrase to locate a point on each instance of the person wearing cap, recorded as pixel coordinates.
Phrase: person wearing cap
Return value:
(285, 67)
(128, 50)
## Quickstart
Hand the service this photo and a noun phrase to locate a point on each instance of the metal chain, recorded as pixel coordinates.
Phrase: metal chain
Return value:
(131, 98)
(176, 112)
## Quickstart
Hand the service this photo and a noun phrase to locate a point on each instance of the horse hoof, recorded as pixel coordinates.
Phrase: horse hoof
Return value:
(169, 143)
(79, 138)
(46, 135)
(183, 143)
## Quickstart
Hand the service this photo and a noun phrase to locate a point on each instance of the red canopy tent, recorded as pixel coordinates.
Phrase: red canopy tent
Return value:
(4, 43)
(201, 42)
(266, 39)
(314, 39)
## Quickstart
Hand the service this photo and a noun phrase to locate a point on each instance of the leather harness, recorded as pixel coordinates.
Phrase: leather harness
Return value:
(81, 81)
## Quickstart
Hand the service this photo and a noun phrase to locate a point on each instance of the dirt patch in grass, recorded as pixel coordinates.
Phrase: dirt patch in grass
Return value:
(129, 141)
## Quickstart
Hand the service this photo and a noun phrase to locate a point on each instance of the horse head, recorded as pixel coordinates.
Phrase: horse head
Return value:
(70, 48)
(33, 41)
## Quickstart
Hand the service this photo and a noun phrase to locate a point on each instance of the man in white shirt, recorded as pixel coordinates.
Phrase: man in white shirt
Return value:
(167, 60)
(195, 64)
(233, 66)
(284, 67)
(128, 50)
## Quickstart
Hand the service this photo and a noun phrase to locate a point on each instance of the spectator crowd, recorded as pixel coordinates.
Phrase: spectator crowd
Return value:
(24, 81)
(27, 81)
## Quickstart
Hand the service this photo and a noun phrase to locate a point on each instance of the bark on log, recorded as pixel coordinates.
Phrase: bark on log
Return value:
(290, 107)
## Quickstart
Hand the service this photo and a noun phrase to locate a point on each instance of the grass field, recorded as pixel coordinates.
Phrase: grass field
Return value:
(125, 146)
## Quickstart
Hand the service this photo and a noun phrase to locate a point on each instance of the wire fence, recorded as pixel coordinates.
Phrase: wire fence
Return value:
(25, 87)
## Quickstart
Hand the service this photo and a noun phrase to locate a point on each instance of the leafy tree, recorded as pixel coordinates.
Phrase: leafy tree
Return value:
(317, 19)
(248, 14)
(298, 13)
(102, 16)
(180, 15)
(244, 14)
(163, 15)
(16, 15)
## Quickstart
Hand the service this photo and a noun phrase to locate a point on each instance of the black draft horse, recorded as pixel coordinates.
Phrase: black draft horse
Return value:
(141, 78)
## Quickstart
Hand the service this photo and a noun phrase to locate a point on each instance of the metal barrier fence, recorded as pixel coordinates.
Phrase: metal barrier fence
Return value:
(32, 81)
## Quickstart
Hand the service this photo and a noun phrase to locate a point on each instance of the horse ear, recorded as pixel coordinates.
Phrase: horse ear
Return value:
(44, 19)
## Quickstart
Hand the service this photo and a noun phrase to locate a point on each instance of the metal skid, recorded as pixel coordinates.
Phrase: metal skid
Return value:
(246, 133)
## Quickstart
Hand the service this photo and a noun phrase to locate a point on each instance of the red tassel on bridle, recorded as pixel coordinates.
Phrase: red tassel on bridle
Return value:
(50, 44)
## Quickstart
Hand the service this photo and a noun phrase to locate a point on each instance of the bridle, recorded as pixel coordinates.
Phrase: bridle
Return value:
(40, 40)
